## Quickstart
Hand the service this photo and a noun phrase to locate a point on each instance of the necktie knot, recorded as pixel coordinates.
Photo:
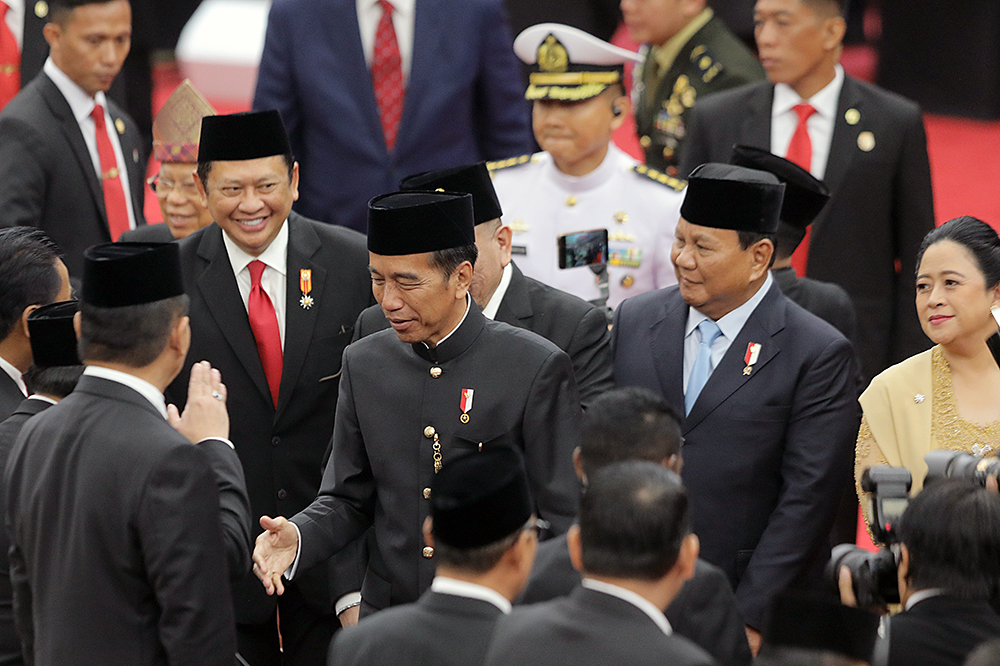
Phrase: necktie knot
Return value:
(386, 6)
(256, 271)
(709, 332)
(98, 115)
(803, 111)
(3, 9)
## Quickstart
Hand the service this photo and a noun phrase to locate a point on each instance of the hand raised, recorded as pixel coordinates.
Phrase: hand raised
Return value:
(205, 415)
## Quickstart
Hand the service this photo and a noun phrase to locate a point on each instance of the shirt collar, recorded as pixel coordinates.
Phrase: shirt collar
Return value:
(137, 384)
(468, 301)
(920, 595)
(825, 101)
(732, 323)
(80, 103)
(461, 588)
(43, 398)
(666, 53)
(405, 7)
(14, 373)
(654, 613)
(490, 311)
(275, 256)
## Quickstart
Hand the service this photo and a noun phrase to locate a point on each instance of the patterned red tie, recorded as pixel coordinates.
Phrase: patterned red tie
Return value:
(10, 60)
(387, 76)
(264, 324)
(111, 178)
(800, 152)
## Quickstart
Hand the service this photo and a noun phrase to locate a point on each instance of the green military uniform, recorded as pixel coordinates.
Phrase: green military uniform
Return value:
(713, 59)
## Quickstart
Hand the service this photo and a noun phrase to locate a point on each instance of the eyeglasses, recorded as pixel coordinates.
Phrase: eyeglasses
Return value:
(162, 188)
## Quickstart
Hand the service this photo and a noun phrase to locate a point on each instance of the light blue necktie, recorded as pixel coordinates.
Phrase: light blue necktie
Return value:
(702, 368)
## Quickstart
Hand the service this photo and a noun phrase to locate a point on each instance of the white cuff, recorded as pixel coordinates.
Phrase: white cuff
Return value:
(290, 571)
(221, 439)
(349, 600)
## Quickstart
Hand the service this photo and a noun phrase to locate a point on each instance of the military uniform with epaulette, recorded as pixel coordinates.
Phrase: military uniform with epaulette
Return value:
(712, 59)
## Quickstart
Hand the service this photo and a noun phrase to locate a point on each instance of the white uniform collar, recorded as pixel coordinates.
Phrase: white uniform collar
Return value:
(604, 172)
(140, 386)
(490, 311)
(654, 613)
(461, 588)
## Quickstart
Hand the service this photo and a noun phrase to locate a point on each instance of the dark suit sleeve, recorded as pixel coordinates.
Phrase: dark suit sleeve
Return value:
(819, 444)
(276, 87)
(21, 173)
(705, 612)
(551, 432)
(502, 117)
(912, 219)
(180, 540)
(590, 352)
(234, 505)
(23, 607)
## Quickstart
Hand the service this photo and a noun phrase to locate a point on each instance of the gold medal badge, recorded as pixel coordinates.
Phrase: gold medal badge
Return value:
(305, 285)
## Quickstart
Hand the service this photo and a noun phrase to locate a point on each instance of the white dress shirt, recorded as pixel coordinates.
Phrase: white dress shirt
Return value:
(369, 15)
(82, 104)
(273, 279)
(654, 613)
(15, 21)
(461, 588)
(15, 374)
(730, 325)
(820, 124)
(490, 311)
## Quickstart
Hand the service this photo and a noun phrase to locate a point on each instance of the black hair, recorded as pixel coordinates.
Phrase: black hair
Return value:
(205, 168)
(58, 381)
(133, 336)
(477, 560)
(952, 532)
(59, 10)
(448, 260)
(28, 273)
(633, 519)
(979, 238)
(628, 423)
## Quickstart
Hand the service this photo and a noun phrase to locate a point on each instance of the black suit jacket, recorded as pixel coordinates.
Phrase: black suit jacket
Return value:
(881, 201)
(766, 453)
(101, 484)
(10, 395)
(940, 631)
(439, 629)
(571, 323)
(10, 642)
(281, 449)
(149, 233)
(587, 627)
(704, 611)
(48, 175)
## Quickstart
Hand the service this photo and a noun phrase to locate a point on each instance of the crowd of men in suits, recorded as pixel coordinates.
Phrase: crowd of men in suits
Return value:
(362, 344)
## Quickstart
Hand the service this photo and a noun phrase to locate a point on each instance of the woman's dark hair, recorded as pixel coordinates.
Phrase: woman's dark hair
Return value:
(979, 238)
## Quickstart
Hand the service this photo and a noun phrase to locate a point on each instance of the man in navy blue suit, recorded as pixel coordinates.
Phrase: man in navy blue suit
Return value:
(329, 65)
(768, 390)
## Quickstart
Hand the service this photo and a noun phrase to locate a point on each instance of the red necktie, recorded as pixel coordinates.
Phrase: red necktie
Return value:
(264, 324)
(10, 60)
(111, 178)
(800, 152)
(387, 76)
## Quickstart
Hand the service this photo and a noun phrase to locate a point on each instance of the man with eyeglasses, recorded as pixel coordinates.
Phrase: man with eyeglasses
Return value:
(175, 146)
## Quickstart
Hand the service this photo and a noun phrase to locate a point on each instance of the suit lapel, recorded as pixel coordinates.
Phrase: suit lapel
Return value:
(342, 27)
(843, 144)
(515, 307)
(217, 286)
(71, 130)
(300, 322)
(667, 345)
(756, 128)
(766, 320)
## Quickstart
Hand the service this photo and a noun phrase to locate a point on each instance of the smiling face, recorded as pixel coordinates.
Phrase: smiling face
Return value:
(179, 199)
(798, 42)
(953, 301)
(577, 134)
(420, 304)
(250, 199)
(90, 42)
(714, 273)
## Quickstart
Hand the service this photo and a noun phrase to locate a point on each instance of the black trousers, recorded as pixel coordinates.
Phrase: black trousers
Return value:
(305, 635)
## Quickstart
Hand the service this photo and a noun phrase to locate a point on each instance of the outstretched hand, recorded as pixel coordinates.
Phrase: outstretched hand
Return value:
(274, 552)
(205, 415)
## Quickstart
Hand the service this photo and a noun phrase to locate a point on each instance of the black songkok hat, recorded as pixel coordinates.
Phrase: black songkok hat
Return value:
(805, 195)
(724, 196)
(243, 136)
(812, 623)
(480, 498)
(53, 338)
(415, 222)
(473, 179)
(120, 274)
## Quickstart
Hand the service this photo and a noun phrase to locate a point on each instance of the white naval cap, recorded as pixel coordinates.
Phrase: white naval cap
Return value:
(569, 64)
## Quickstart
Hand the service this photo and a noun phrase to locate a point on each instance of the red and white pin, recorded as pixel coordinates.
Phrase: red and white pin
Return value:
(466, 404)
(753, 351)
(305, 284)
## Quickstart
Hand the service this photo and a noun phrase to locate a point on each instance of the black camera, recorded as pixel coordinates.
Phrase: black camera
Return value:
(959, 465)
(874, 574)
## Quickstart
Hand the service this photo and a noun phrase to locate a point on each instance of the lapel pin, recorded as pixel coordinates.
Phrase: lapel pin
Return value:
(918, 398)
(852, 116)
(866, 141)
(750, 358)
(120, 125)
(981, 450)
(466, 404)
(305, 284)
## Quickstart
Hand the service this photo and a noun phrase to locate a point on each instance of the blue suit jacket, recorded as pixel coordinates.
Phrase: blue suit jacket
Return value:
(766, 454)
(464, 99)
